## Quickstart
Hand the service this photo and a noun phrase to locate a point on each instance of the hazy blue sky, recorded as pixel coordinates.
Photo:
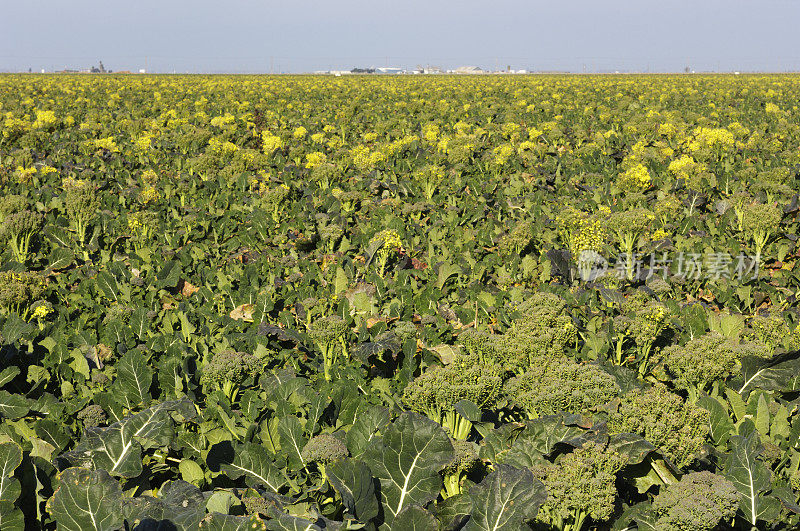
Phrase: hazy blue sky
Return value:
(305, 35)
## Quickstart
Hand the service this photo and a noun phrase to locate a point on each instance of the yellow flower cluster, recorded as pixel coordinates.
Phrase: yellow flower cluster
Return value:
(149, 195)
(315, 159)
(45, 120)
(318, 138)
(222, 147)
(503, 153)
(143, 143)
(223, 121)
(771, 108)
(270, 143)
(712, 138)
(365, 159)
(430, 132)
(299, 133)
(635, 179)
(41, 311)
(106, 143)
(24, 175)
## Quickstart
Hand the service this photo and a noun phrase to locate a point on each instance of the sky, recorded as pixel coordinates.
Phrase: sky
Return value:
(248, 36)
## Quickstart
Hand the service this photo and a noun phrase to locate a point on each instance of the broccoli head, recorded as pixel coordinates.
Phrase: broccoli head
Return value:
(580, 485)
(324, 449)
(464, 462)
(228, 369)
(436, 392)
(677, 428)
(543, 331)
(92, 415)
(11, 204)
(256, 505)
(773, 332)
(515, 242)
(699, 501)
(561, 385)
(707, 359)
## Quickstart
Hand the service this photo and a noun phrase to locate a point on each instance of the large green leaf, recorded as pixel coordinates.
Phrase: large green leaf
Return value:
(179, 506)
(751, 478)
(107, 285)
(86, 500)
(10, 459)
(366, 428)
(407, 461)
(118, 448)
(292, 440)
(722, 427)
(415, 518)
(505, 499)
(8, 374)
(352, 479)
(286, 522)
(453, 512)
(13, 407)
(769, 376)
(253, 462)
(134, 378)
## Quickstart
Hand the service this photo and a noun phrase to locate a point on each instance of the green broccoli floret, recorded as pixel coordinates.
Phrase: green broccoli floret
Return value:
(700, 501)
(256, 505)
(81, 204)
(228, 370)
(514, 242)
(677, 428)
(643, 321)
(330, 336)
(11, 204)
(18, 291)
(580, 486)
(543, 331)
(92, 415)
(561, 386)
(436, 392)
(759, 223)
(773, 332)
(705, 360)
(18, 229)
(324, 449)
(465, 461)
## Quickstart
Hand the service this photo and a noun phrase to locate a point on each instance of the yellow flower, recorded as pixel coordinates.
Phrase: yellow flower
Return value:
(315, 159)
(300, 132)
(635, 179)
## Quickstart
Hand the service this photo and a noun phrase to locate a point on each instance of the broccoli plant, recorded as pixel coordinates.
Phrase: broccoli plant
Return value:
(627, 227)
(324, 449)
(330, 336)
(19, 228)
(700, 501)
(642, 321)
(229, 370)
(580, 487)
(760, 223)
(677, 428)
(773, 332)
(92, 415)
(465, 462)
(430, 177)
(543, 331)
(437, 392)
(703, 363)
(81, 204)
(561, 386)
(19, 292)
(385, 242)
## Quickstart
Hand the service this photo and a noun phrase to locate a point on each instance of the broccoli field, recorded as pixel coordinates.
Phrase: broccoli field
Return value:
(409, 303)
